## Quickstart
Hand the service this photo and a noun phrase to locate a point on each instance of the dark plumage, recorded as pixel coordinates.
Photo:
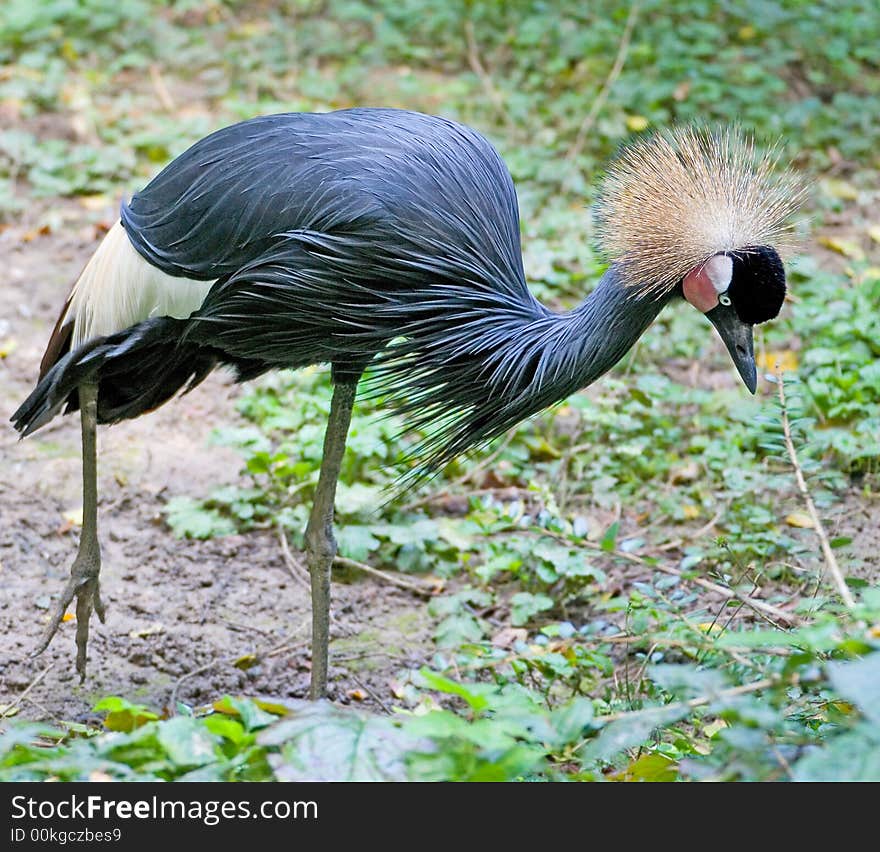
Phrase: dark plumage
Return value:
(383, 237)
(757, 289)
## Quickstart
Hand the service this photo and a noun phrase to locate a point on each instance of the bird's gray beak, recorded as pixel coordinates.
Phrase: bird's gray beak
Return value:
(737, 337)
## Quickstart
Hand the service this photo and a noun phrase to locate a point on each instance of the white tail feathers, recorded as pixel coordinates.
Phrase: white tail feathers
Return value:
(119, 288)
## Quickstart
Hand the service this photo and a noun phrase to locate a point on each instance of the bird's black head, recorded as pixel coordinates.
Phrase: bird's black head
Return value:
(757, 285)
(737, 290)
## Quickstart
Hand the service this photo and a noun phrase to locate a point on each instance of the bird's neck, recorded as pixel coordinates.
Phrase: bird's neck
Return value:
(591, 339)
(487, 367)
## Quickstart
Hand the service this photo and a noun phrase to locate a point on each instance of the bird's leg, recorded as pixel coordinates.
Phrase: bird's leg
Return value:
(320, 543)
(84, 573)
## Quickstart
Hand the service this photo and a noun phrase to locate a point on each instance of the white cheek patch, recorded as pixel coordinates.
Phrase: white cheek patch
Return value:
(719, 270)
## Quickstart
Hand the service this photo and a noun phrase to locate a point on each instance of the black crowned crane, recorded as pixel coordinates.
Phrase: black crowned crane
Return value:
(390, 238)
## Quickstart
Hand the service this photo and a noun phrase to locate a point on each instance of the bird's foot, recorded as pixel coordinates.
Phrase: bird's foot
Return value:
(84, 584)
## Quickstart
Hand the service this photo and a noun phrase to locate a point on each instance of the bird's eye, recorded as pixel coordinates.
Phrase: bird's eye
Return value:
(724, 299)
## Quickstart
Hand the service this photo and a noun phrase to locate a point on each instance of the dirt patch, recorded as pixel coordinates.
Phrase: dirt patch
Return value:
(180, 613)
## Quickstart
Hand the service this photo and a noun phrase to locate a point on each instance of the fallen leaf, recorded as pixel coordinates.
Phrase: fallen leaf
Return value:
(799, 519)
(245, 662)
(778, 361)
(840, 189)
(686, 473)
(690, 511)
(682, 90)
(847, 248)
(152, 630)
(74, 516)
(7, 347)
(98, 775)
(508, 636)
(94, 202)
(272, 707)
(874, 233)
(636, 123)
(68, 616)
(714, 727)
(7, 710)
(357, 694)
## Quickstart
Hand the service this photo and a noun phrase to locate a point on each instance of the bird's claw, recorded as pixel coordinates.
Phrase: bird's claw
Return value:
(85, 585)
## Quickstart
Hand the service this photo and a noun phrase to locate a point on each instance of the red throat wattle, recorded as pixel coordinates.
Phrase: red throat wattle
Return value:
(703, 284)
(699, 290)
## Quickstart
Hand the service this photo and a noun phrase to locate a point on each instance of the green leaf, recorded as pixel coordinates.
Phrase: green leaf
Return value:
(186, 742)
(321, 742)
(356, 542)
(609, 540)
(525, 605)
(853, 756)
(471, 693)
(123, 715)
(687, 681)
(629, 731)
(223, 726)
(189, 518)
(859, 683)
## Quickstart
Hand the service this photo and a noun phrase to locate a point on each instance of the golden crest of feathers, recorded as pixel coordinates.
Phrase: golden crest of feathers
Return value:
(670, 202)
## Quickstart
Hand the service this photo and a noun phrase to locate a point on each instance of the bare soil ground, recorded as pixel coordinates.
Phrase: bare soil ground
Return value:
(179, 612)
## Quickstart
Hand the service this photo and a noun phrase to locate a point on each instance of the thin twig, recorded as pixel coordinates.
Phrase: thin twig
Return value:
(292, 566)
(345, 562)
(693, 536)
(7, 711)
(599, 102)
(258, 655)
(830, 558)
(161, 89)
(371, 693)
(473, 53)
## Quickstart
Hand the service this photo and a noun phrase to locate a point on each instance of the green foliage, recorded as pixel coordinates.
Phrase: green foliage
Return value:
(570, 640)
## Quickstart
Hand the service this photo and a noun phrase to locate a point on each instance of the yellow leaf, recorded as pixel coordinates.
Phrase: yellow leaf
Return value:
(68, 616)
(714, 727)
(7, 710)
(778, 361)
(840, 189)
(272, 707)
(747, 33)
(357, 694)
(248, 661)
(686, 473)
(874, 233)
(649, 767)
(74, 516)
(636, 123)
(225, 707)
(68, 51)
(799, 519)
(845, 247)
(690, 511)
(95, 203)
(7, 347)
(710, 627)
(874, 632)
(98, 775)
